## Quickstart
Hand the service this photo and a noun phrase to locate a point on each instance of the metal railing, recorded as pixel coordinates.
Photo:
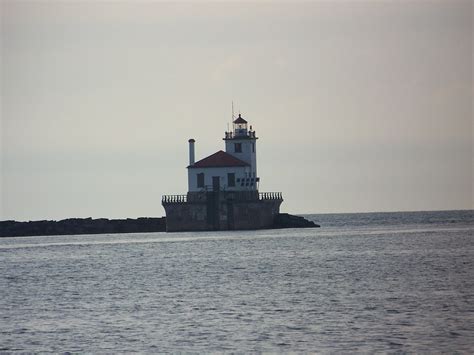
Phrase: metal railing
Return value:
(270, 196)
(248, 134)
(229, 195)
(167, 199)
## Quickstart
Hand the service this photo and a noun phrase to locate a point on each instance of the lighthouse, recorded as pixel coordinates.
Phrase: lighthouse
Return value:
(232, 170)
(241, 143)
(223, 188)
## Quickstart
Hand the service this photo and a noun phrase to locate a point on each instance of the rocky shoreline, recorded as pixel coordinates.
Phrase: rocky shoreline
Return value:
(75, 226)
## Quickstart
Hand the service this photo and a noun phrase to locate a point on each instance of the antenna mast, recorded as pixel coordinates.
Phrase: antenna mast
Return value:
(232, 121)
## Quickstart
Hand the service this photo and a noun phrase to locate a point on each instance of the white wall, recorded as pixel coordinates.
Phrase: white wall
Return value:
(240, 173)
(247, 155)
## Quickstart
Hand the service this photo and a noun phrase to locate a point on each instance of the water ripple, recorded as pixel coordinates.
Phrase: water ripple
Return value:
(369, 289)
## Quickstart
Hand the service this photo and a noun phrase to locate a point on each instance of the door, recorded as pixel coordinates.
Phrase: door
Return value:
(216, 183)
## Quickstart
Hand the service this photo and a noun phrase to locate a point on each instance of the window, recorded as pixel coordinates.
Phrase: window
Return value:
(231, 179)
(253, 147)
(200, 180)
(237, 147)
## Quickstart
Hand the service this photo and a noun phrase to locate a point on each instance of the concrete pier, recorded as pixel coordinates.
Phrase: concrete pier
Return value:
(221, 210)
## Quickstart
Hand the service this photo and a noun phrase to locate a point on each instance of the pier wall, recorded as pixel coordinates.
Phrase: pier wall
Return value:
(221, 211)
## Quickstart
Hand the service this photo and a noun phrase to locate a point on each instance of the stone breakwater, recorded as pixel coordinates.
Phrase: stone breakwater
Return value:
(285, 220)
(74, 226)
(82, 226)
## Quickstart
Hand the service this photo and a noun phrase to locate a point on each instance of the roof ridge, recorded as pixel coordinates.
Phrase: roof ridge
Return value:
(219, 159)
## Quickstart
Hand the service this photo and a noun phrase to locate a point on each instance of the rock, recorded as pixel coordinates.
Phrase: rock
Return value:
(285, 220)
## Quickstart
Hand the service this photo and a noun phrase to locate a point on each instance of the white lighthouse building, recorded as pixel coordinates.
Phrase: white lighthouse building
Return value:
(232, 170)
(223, 189)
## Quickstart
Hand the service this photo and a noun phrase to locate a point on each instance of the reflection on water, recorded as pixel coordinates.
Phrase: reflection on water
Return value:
(372, 282)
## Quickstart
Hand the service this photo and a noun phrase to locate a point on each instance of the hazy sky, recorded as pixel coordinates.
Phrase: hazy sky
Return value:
(359, 105)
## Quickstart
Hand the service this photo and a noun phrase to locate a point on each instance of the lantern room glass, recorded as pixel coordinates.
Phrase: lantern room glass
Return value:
(240, 129)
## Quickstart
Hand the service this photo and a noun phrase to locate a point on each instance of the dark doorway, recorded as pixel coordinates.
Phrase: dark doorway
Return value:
(216, 183)
(230, 215)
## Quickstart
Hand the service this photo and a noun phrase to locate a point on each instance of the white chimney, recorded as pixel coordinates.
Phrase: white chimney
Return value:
(191, 151)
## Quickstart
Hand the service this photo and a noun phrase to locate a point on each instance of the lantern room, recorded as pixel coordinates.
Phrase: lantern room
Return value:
(240, 127)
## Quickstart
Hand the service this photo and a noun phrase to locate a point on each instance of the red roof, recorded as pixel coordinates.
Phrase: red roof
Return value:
(218, 160)
(240, 120)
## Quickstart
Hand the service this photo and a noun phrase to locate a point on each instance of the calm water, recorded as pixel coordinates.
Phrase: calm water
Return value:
(363, 282)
